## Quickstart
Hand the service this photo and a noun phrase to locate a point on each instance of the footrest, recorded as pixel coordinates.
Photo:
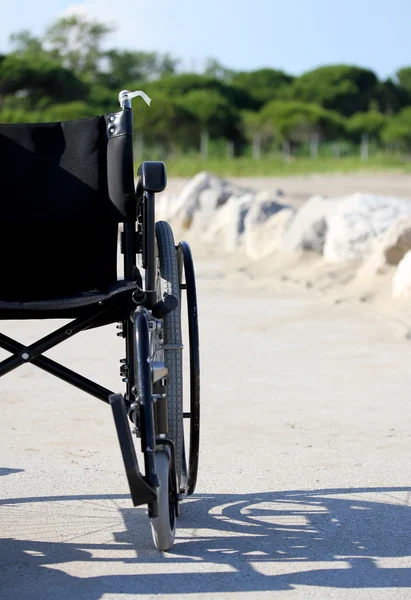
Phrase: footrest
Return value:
(141, 492)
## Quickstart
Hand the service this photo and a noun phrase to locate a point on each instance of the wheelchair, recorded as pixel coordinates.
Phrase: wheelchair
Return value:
(69, 208)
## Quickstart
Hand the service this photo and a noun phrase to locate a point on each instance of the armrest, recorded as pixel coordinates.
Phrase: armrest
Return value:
(152, 177)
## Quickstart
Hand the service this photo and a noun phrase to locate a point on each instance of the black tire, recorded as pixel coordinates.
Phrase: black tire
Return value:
(173, 360)
(163, 526)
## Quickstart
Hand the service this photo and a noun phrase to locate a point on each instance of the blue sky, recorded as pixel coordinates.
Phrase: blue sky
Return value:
(294, 35)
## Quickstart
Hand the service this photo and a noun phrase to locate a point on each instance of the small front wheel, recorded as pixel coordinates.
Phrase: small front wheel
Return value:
(163, 526)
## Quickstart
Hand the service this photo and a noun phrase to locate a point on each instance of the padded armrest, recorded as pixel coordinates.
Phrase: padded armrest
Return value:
(152, 177)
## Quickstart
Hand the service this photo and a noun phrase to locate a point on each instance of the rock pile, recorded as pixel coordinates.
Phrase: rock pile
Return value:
(373, 230)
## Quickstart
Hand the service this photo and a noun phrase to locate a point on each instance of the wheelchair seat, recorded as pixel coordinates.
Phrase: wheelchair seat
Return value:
(69, 306)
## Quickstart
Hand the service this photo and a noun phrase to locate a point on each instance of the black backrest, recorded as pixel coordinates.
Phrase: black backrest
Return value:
(61, 203)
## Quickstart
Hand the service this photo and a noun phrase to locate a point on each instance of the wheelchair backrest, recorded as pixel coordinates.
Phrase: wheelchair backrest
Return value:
(64, 189)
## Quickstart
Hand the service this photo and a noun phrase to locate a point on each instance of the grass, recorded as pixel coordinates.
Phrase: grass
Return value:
(276, 166)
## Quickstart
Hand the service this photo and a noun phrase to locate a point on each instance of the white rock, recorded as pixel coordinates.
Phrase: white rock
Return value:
(401, 284)
(265, 223)
(227, 227)
(208, 202)
(357, 221)
(308, 229)
(387, 249)
(188, 202)
(397, 241)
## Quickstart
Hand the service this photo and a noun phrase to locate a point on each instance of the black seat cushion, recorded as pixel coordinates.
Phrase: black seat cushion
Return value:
(70, 306)
(48, 260)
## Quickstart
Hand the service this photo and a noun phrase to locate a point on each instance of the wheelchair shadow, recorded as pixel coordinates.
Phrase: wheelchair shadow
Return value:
(7, 471)
(333, 538)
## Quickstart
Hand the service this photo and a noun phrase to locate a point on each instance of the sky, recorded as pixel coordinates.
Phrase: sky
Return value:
(293, 35)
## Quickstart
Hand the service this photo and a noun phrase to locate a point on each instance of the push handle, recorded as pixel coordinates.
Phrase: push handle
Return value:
(125, 97)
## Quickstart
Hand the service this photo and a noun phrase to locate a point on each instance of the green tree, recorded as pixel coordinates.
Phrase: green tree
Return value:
(214, 115)
(370, 123)
(24, 43)
(124, 67)
(68, 111)
(37, 78)
(165, 122)
(76, 43)
(263, 85)
(176, 86)
(342, 88)
(390, 97)
(252, 124)
(215, 70)
(404, 78)
(103, 99)
(212, 111)
(295, 122)
(398, 129)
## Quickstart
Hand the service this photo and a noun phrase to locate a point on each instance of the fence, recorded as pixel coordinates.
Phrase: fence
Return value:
(222, 149)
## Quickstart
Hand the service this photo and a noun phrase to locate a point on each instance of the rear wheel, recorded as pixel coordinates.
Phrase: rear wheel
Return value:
(170, 351)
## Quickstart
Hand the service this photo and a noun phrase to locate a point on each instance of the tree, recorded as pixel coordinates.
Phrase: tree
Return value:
(76, 43)
(215, 70)
(341, 88)
(404, 78)
(24, 43)
(398, 129)
(253, 129)
(214, 114)
(125, 67)
(68, 111)
(295, 122)
(263, 85)
(390, 97)
(176, 86)
(38, 78)
(370, 123)
(103, 99)
(166, 122)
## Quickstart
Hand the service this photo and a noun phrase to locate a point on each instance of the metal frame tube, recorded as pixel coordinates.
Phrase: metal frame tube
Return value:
(149, 243)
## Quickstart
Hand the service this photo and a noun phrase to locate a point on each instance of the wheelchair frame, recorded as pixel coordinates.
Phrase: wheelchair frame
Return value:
(145, 400)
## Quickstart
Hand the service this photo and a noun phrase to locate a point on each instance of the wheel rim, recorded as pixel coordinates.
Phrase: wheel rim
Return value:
(186, 270)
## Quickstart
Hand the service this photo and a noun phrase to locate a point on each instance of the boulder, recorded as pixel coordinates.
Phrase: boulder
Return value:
(309, 226)
(401, 284)
(264, 225)
(357, 222)
(209, 200)
(228, 224)
(189, 201)
(397, 241)
(388, 249)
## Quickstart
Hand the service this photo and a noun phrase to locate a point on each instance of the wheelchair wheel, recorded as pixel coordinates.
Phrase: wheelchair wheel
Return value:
(163, 526)
(191, 451)
(168, 283)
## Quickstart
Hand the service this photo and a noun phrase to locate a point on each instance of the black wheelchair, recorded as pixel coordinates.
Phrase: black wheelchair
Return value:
(69, 205)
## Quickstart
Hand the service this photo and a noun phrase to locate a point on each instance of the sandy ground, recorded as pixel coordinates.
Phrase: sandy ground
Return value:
(304, 488)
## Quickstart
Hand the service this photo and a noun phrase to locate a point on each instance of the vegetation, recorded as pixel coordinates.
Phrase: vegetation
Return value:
(263, 122)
